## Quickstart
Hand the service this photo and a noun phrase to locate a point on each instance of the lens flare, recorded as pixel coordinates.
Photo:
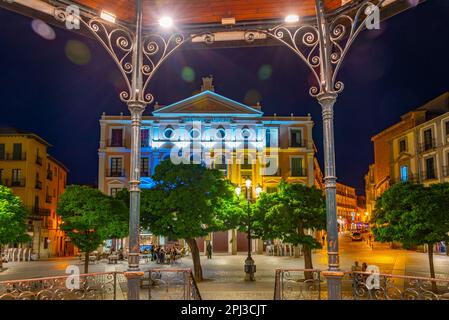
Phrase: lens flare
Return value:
(252, 97)
(43, 29)
(265, 72)
(77, 52)
(188, 74)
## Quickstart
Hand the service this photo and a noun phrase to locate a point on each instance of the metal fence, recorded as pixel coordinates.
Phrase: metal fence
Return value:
(172, 284)
(310, 284)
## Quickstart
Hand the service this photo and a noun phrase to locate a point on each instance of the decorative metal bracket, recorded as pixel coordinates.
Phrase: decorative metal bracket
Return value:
(119, 43)
(304, 41)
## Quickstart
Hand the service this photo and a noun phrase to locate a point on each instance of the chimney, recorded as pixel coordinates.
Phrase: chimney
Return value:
(207, 84)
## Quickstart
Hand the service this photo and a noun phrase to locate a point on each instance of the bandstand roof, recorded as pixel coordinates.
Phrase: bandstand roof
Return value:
(200, 13)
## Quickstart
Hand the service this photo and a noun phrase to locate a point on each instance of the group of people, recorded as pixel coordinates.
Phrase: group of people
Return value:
(160, 255)
(357, 267)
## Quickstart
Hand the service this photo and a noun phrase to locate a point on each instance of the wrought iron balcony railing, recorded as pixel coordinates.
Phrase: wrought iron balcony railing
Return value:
(300, 172)
(429, 175)
(36, 213)
(413, 178)
(19, 183)
(144, 174)
(427, 145)
(302, 144)
(116, 143)
(15, 156)
(38, 185)
(118, 173)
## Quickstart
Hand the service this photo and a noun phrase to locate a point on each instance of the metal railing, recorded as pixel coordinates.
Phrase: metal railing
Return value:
(310, 284)
(38, 185)
(169, 284)
(427, 145)
(301, 144)
(429, 175)
(19, 183)
(116, 144)
(173, 284)
(413, 178)
(15, 156)
(36, 213)
(301, 172)
(92, 286)
(119, 173)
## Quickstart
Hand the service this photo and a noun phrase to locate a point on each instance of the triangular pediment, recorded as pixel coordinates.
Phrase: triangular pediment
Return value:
(207, 103)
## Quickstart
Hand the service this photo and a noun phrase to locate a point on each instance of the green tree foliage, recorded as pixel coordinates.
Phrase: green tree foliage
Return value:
(90, 217)
(12, 220)
(288, 214)
(188, 201)
(414, 215)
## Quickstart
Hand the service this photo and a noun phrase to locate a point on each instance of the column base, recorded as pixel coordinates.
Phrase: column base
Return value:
(334, 280)
(134, 278)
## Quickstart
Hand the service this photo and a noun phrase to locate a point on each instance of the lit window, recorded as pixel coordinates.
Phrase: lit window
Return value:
(168, 133)
(404, 173)
(402, 145)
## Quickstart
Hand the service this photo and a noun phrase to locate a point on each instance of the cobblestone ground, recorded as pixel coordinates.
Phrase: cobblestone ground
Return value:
(224, 276)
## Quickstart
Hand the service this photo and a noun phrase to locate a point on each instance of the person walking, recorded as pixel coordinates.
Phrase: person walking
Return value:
(209, 250)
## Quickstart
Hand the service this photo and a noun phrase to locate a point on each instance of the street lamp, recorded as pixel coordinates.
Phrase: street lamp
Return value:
(249, 267)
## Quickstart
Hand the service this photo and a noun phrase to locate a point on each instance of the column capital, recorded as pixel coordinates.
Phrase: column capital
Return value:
(327, 98)
(136, 106)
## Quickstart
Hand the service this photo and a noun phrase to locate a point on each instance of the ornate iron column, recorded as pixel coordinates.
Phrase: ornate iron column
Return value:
(136, 107)
(327, 98)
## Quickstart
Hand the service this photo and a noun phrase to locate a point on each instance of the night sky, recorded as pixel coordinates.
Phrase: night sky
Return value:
(59, 88)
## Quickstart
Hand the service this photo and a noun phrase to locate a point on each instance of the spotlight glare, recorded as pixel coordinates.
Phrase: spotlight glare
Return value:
(291, 18)
(166, 22)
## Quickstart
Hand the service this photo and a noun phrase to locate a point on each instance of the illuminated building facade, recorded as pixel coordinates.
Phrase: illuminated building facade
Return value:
(38, 179)
(220, 133)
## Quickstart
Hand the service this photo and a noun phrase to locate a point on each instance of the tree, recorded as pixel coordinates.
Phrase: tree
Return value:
(12, 220)
(287, 214)
(188, 201)
(90, 217)
(414, 215)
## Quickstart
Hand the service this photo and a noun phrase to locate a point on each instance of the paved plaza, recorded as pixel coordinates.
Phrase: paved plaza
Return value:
(224, 273)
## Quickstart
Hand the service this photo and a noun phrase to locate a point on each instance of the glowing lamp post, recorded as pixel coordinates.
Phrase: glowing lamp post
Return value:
(249, 267)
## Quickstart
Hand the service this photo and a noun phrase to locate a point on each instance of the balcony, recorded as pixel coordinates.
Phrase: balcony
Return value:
(413, 178)
(301, 144)
(116, 144)
(17, 183)
(427, 145)
(145, 174)
(49, 175)
(36, 213)
(278, 173)
(38, 160)
(117, 173)
(429, 175)
(48, 199)
(15, 156)
(300, 172)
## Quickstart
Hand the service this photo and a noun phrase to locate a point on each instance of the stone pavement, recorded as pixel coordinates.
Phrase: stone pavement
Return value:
(224, 273)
